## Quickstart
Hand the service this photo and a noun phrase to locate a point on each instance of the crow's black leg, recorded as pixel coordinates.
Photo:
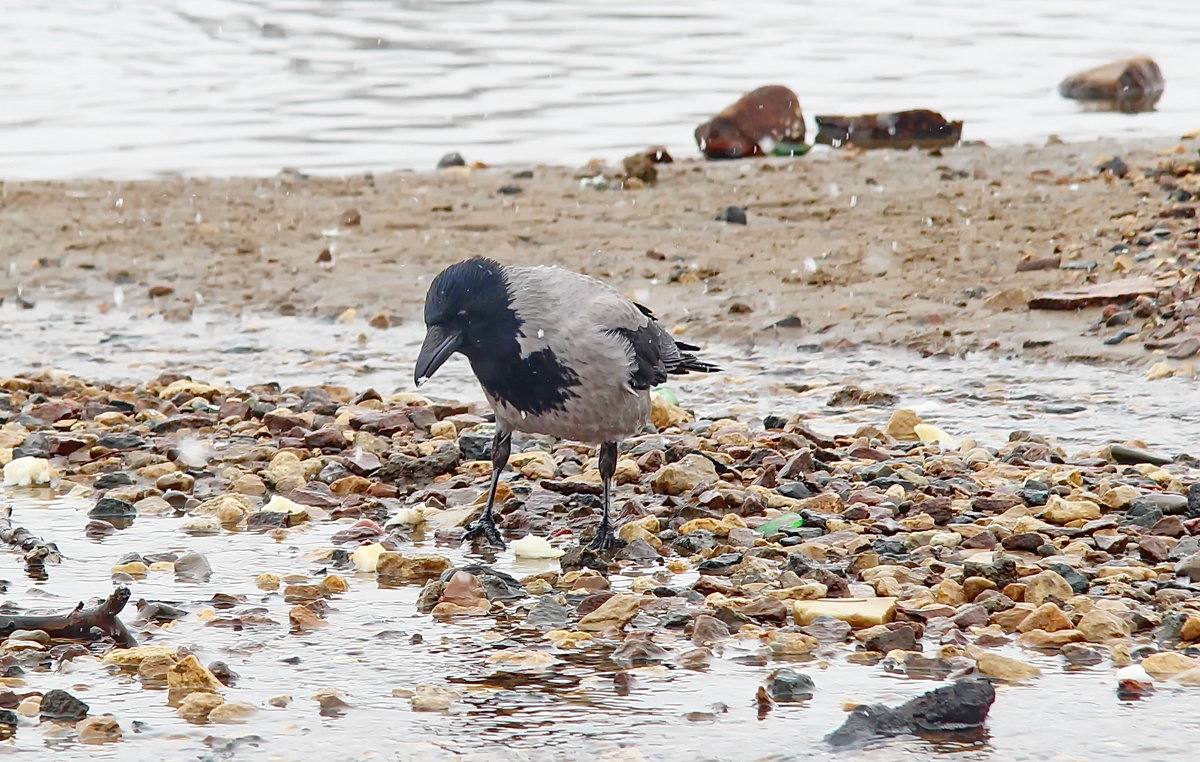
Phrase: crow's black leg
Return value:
(485, 527)
(605, 538)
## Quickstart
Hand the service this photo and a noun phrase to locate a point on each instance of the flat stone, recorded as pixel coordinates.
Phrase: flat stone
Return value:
(857, 612)
(1004, 668)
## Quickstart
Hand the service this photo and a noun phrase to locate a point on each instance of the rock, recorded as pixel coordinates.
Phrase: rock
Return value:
(827, 629)
(1130, 85)
(232, 713)
(901, 130)
(190, 676)
(1080, 655)
(132, 657)
(463, 589)
(613, 613)
(332, 701)
(684, 475)
(1100, 626)
(1090, 296)
(902, 425)
(453, 159)
(196, 707)
(960, 706)
(97, 730)
(785, 684)
(770, 113)
(304, 619)
(434, 698)
(707, 630)
(60, 706)
(1132, 456)
(547, 614)
(1004, 668)
(1190, 630)
(788, 643)
(1168, 663)
(192, 567)
(734, 215)
(1079, 583)
(1189, 567)
(857, 612)
(1047, 586)
(1047, 617)
(414, 567)
(1060, 511)
(639, 649)
(899, 639)
(112, 508)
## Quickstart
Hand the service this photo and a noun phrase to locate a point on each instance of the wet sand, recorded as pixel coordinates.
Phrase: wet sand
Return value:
(891, 248)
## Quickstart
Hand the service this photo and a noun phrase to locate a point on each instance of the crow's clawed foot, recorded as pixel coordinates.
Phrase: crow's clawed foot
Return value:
(605, 539)
(485, 531)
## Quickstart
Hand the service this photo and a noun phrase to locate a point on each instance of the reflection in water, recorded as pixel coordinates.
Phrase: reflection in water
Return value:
(129, 89)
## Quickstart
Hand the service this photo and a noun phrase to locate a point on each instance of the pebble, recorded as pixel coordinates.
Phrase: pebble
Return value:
(434, 698)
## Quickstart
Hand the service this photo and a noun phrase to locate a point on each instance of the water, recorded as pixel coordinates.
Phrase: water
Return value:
(571, 711)
(132, 89)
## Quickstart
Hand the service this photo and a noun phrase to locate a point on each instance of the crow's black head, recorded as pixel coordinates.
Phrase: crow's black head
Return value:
(466, 310)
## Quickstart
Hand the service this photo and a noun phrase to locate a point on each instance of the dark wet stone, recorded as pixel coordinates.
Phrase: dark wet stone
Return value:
(1079, 583)
(827, 629)
(1184, 548)
(1001, 571)
(1028, 542)
(453, 159)
(113, 479)
(510, 190)
(497, 585)
(223, 673)
(1170, 632)
(707, 630)
(639, 649)
(638, 550)
(1167, 502)
(1142, 516)
(902, 637)
(404, 468)
(99, 528)
(1080, 655)
(794, 490)
(766, 609)
(159, 612)
(475, 445)
(192, 567)
(111, 508)
(695, 542)
(1133, 456)
(890, 548)
(1034, 492)
(975, 615)
(786, 684)
(773, 421)
(361, 462)
(262, 520)
(719, 565)
(316, 494)
(331, 472)
(1189, 567)
(582, 557)
(548, 614)
(326, 439)
(957, 707)
(183, 421)
(734, 215)
(63, 707)
(121, 442)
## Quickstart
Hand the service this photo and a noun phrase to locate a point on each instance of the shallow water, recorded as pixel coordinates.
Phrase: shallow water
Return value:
(131, 89)
(572, 711)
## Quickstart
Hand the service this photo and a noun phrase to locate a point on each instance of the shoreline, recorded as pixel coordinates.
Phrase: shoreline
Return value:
(900, 249)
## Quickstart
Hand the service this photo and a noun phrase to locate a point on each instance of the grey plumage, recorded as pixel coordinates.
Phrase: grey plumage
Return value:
(556, 352)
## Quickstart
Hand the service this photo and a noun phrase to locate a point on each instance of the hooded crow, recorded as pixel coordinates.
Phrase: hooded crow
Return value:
(556, 353)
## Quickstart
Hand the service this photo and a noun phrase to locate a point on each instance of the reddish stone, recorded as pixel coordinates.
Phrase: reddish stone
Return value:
(768, 113)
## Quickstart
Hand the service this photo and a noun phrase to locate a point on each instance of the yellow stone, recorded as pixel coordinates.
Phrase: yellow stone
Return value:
(1004, 668)
(857, 612)
(1168, 663)
(132, 657)
(613, 613)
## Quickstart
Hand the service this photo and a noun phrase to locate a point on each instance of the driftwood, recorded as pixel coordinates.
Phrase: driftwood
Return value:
(80, 623)
(37, 551)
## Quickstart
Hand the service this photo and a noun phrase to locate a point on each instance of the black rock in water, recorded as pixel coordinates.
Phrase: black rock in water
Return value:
(734, 215)
(63, 707)
(962, 706)
(785, 684)
(111, 507)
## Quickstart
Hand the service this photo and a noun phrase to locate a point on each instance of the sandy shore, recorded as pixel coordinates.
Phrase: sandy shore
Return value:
(894, 248)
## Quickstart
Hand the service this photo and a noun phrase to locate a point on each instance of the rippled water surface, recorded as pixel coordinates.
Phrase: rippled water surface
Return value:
(572, 711)
(128, 88)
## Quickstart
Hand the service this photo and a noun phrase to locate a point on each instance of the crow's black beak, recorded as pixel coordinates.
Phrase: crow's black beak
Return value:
(440, 343)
